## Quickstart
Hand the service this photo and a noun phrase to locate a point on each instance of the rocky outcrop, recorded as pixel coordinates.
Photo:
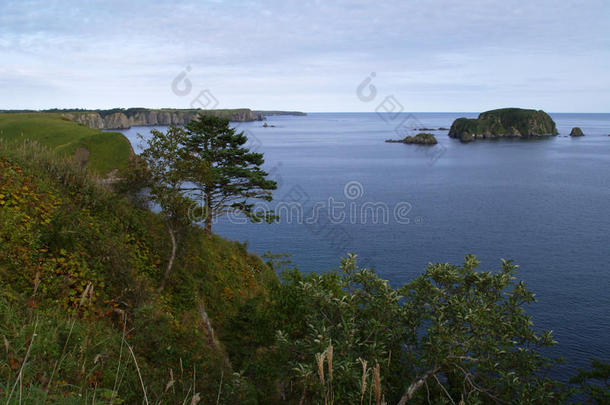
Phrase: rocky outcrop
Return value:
(123, 119)
(504, 123)
(92, 120)
(419, 139)
(576, 131)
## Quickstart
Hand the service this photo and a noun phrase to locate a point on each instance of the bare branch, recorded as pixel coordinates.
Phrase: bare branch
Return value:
(416, 386)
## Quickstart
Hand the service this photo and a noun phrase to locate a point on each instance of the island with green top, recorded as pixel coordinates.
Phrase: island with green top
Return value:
(504, 123)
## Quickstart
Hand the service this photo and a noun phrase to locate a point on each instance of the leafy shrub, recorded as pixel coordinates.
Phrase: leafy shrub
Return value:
(453, 333)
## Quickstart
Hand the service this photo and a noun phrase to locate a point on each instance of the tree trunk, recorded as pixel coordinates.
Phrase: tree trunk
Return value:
(208, 214)
(213, 341)
(172, 256)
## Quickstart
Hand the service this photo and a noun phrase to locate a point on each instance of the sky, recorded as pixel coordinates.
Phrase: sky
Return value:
(467, 55)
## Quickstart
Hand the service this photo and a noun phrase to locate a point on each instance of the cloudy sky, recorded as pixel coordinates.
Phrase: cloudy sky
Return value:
(467, 55)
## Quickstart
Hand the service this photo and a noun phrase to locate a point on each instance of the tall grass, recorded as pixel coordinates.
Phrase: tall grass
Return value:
(56, 353)
(107, 150)
(43, 374)
(33, 154)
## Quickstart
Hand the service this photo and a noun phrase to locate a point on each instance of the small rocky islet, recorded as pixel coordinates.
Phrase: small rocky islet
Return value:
(576, 131)
(504, 123)
(420, 139)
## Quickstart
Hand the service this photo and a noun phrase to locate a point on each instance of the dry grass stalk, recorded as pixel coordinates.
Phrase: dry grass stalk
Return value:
(222, 373)
(326, 356)
(57, 365)
(320, 357)
(84, 295)
(7, 346)
(139, 374)
(196, 398)
(329, 358)
(36, 283)
(117, 383)
(364, 379)
(171, 381)
(377, 383)
(25, 360)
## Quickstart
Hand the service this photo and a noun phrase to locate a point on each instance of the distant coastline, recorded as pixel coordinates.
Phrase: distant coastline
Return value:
(121, 118)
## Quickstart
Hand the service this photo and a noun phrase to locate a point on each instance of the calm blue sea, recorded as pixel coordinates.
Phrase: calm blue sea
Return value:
(543, 203)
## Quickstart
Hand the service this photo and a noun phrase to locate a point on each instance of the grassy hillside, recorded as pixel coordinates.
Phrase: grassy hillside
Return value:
(100, 151)
(80, 268)
(83, 320)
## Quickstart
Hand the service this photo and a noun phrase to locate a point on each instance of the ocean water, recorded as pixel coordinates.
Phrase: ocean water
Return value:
(544, 203)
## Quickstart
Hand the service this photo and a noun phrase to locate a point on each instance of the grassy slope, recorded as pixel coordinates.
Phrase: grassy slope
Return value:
(75, 258)
(108, 150)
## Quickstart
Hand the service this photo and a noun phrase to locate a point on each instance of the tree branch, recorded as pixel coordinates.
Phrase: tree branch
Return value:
(416, 386)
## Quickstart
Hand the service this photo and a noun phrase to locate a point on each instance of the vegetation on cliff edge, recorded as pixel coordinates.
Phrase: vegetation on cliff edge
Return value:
(81, 265)
(100, 151)
(504, 122)
(83, 320)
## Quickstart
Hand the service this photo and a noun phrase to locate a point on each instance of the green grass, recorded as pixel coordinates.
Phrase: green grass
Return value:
(108, 150)
(76, 258)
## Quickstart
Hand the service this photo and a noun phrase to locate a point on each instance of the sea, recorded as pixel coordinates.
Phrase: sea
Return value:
(543, 203)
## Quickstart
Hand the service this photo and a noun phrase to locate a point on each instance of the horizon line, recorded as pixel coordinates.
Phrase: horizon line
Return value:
(8, 110)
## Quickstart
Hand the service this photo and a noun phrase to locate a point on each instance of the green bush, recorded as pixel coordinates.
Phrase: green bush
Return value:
(453, 334)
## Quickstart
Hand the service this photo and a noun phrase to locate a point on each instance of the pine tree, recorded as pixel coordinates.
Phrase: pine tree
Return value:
(225, 173)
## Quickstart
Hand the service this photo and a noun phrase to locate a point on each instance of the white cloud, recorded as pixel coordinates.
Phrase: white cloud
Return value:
(308, 55)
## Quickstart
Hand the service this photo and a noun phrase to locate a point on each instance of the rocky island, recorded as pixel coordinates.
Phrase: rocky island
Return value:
(576, 131)
(504, 123)
(420, 139)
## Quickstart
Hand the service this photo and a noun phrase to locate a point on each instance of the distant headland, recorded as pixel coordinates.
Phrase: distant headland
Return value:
(504, 123)
(124, 118)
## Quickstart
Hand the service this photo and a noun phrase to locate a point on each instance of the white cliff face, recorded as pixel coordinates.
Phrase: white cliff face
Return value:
(92, 120)
(116, 121)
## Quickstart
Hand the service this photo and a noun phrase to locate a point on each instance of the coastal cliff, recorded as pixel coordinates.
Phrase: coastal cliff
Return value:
(126, 118)
(504, 123)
